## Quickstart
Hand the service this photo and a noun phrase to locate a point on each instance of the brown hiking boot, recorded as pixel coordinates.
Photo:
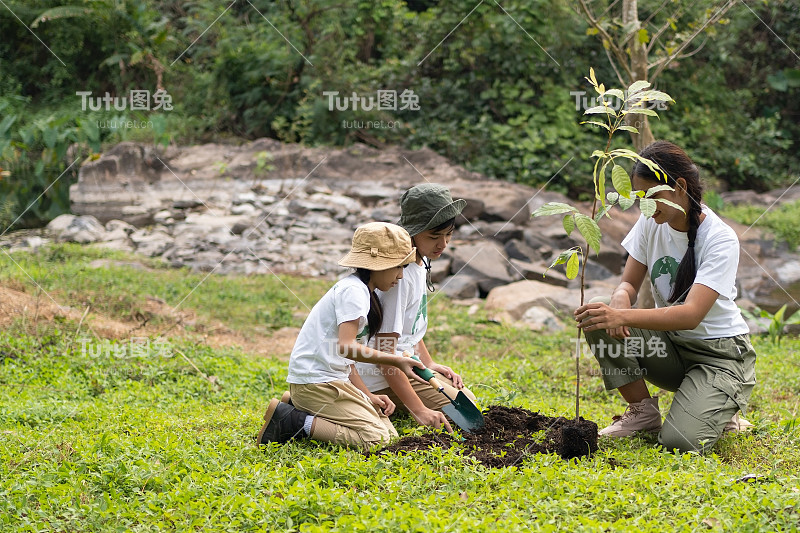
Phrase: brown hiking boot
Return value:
(640, 416)
(737, 424)
(282, 423)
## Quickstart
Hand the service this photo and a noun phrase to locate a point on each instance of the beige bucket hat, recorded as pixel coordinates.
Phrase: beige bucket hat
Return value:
(379, 246)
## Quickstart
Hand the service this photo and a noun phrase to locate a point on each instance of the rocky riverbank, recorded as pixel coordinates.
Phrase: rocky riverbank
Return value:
(267, 207)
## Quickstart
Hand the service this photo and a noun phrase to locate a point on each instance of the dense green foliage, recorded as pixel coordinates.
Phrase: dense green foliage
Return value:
(95, 439)
(490, 96)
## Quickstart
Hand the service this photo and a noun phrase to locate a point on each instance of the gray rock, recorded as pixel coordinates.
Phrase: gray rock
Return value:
(243, 209)
(485, 261)
(187, 204)
(535, 271)
(440, 269)
(518, 249)
(60, 223)
(501, 201)
(83, 229)
(460, 287)
(789, 272)
(114, 225)
(247, 197)
(541, 319)
(151, 243)
(499, 231)
(516, 298)
(748, 197)
(163, 217)
(371, 193)
(122, 245)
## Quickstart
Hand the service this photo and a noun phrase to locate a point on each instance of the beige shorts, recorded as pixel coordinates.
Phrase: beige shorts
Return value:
(358, 422)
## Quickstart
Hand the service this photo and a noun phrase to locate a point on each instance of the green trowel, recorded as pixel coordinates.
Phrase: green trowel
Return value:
(461, 410)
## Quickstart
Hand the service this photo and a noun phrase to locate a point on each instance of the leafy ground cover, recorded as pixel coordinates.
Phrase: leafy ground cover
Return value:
(110, 435)
(781, 220)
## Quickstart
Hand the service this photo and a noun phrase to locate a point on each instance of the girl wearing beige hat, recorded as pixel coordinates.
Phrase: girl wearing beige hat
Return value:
(428, 213)
(329, 402)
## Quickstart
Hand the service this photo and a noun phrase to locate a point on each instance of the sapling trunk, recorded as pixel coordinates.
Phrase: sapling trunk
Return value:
(580, 331)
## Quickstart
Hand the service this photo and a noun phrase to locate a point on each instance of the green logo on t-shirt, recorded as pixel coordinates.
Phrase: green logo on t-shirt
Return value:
(364, 333)
(422, 311)
(665, 265)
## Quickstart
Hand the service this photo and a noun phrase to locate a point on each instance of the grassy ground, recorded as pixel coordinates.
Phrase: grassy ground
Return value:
(99, 435)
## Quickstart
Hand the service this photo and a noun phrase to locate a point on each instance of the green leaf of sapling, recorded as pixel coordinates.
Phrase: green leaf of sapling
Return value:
(554, 208)
(599, 109)
(647, 206)
(603, 212)
(658, 188)
(621, 181)
(590, 231)
(671, 204)
(638, 86)
(573, 265)
(595, 123)
(569, 223)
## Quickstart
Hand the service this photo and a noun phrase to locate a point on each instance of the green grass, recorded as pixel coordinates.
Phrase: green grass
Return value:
(246, 303)
(780, 220)
(112, 442)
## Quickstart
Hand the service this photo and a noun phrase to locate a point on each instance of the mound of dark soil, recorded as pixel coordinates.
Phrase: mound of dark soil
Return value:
(511, 434)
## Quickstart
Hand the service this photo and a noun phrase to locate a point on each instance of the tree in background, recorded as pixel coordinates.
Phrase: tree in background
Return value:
(641, 50)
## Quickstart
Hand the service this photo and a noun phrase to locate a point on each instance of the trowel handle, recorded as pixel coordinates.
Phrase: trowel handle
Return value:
(426, 374)
(436, 384)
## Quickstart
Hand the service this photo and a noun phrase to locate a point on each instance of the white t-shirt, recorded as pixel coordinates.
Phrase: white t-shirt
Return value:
(405, 312)
(661, 248)
(314, 357)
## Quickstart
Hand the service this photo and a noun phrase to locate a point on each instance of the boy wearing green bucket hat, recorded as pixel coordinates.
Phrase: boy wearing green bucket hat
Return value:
(428, 213)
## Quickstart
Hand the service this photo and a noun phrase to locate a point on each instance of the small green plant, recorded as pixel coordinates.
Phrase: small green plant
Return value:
(222, 167)
(633, 102)
(263, 166)
(774, 323)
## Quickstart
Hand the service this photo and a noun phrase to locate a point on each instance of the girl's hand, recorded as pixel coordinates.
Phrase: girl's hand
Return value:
(448, 372)
(381, 401)
(407, 365)
(620, 300)
(591, 317)
(428, 417)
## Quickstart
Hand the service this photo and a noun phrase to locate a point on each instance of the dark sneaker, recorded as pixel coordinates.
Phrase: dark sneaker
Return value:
(282, 423)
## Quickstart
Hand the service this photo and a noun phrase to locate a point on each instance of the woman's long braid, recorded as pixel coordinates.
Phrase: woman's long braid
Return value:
(687, 270)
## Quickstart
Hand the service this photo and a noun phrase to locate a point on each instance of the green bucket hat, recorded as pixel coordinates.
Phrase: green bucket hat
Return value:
(426, 206)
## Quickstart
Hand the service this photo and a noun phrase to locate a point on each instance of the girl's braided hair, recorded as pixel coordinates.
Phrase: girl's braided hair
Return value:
(674, 161)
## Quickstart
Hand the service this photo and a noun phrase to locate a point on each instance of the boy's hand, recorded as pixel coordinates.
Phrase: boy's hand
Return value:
(449, 373)
(381, 401)
(429, 417)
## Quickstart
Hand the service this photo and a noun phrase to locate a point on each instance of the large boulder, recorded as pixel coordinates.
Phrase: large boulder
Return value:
(514, 299)
(501, 202)
(81, 229)
(460, 287)
(485, 261)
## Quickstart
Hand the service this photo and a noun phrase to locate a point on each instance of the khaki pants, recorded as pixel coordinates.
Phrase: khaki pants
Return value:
(712, 379)
(343, 414)
(431, 398)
